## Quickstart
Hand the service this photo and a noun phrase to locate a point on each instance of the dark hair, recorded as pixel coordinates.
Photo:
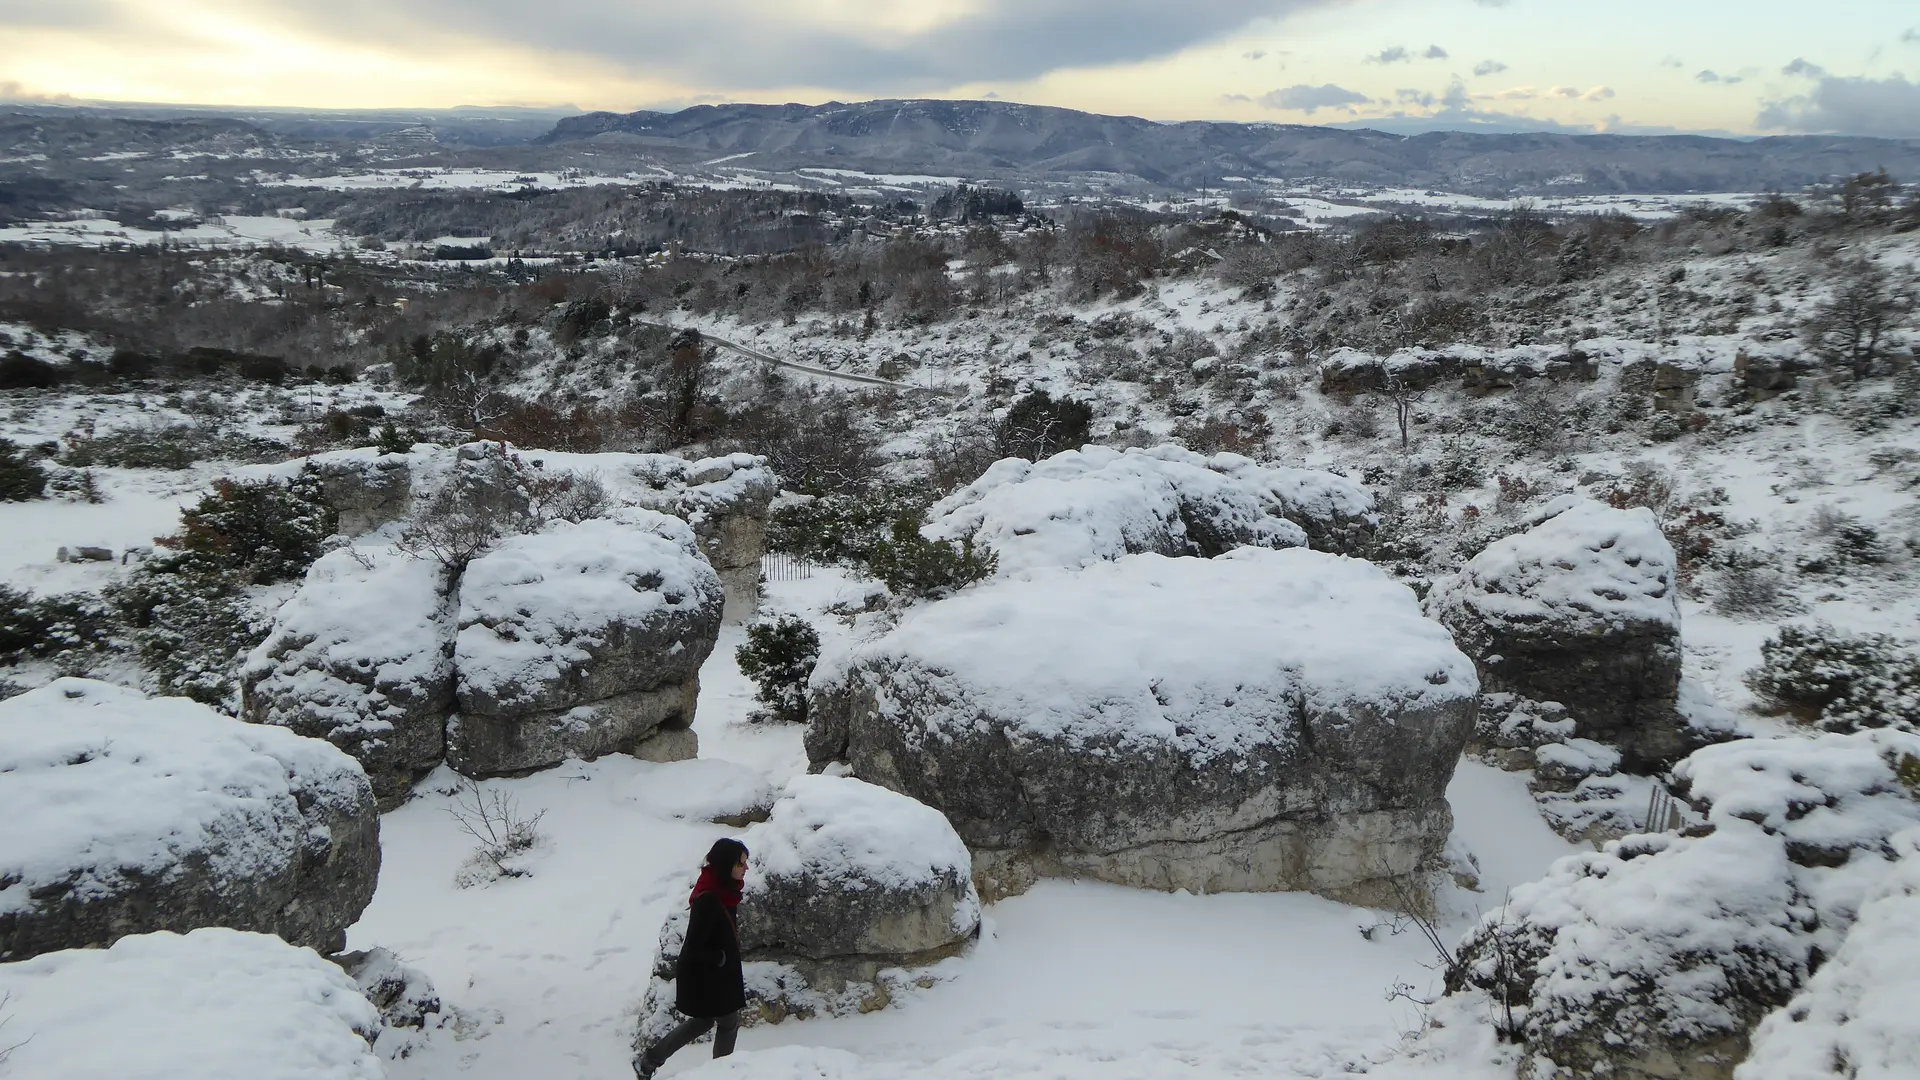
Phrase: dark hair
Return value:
(725, 854)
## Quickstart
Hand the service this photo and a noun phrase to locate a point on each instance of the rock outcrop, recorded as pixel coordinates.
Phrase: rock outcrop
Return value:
(1654, 958)
(211, 1003)
(1263, 721)
(726, 500)
(853, 888)
(365, 491)
(580, 640)
(122, 815)
(362, 656)
(1084, 506)
(1582, 610)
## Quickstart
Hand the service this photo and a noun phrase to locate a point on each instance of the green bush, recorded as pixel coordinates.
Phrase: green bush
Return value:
(263, 529)
(51, 627)
(779, 657)
(841, 528)
(174, 447)
(21, 477)
(1040, 426)
(189, 620)
(912, 565)
(1843, 682)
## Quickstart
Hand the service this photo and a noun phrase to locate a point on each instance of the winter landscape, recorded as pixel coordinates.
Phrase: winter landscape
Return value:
(1434, 597)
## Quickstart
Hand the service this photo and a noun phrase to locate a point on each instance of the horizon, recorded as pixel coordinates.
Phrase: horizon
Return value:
(1764, 67)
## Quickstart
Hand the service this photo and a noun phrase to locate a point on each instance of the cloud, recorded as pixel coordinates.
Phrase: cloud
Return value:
(1852, 105)
(1804, 68)
(1435, 52)
(1911, 37)
(1254, 54)
(1711, 76)
(1396, 55)
(1421, 98)
(1513, 93)
(1671, 61)
(1599, 93)
(1311, 99)
(746, 45)
(1489, 67)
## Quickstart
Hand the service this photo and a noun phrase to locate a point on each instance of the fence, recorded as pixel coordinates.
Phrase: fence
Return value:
(1662, 814)
(779, 566)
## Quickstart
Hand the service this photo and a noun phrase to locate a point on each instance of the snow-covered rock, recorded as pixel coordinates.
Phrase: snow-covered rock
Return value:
(1656, 956)
(1083, 506)
(366, 489)
(580, 640)
(1581, 609)
(121, 814)
(215, 1003)
(362, 656)
(726, 500)
(1266, 720)
(1855, 1019)
(708, 789)
(851, 887)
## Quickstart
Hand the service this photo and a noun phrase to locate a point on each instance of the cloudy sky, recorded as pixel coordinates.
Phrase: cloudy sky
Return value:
(1739, 66)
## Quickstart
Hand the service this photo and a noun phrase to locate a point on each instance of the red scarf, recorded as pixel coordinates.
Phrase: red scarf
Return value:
(718, 884)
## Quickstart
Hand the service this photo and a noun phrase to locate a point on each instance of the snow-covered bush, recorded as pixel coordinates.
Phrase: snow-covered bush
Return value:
(1846, 682)
(1039, 426)
(779, 657)
(52, 627)
(21, 477)
(263, 530)
(912, 565)
(190, 622)
(1660, 952)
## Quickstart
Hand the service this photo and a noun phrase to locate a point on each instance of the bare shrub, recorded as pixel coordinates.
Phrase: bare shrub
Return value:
(565, 495)
(502, 831)
(467, 517)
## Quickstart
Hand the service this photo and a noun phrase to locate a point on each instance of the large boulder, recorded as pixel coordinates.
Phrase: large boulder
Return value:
(1263, 721)
(1654, 958)
(1581, 609)
(1092, 504)
(121, 814)
(580, 640)
(726, 500)
(365, 488)
(362, 656)
(852, 888)
(213, 1003)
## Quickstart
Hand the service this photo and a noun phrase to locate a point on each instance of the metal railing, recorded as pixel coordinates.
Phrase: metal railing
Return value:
(779, 566)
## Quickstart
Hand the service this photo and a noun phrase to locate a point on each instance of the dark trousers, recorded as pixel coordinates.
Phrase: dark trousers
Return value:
(725, 1030)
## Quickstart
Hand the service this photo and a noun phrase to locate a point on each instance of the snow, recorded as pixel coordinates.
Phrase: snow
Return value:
(702, 789)
(530, 607)
(857, 836)
(1212, 656)
(230, 231)
(1583, 564)
(1855, 1017)
(216, 1004)
(102, 785)
(1095, 503)
(373, 611)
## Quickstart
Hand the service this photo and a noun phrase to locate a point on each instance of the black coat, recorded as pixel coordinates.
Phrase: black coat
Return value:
(707, 979)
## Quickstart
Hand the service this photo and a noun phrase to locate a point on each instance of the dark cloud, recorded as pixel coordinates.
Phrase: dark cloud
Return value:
(1711, 76)
(1435, 52)
(1311, 99)
(1396, 55)
(1889, 108)
(760, 44)
(1489, 67)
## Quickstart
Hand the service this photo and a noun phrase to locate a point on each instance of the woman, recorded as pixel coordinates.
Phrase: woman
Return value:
(708, 985)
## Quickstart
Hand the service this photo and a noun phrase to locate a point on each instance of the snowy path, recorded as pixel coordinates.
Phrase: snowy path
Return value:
(1073, 979)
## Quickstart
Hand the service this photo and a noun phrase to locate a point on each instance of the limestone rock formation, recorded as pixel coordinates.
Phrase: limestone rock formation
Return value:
(852, 888)
(1581, 609)
(366, 490)
(122, 815)
(580, 640)
(210, 1003)
(1087, 505)
(726, 500)
(1263, 721)
(362, 656)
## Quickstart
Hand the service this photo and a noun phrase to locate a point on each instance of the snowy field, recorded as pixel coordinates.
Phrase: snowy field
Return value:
(1070, 980)
(235, 231)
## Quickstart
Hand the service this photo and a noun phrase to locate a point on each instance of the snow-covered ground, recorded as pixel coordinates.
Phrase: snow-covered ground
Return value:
(1070, 980)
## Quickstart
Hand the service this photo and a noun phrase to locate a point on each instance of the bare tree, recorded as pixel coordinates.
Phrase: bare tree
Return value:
(1403, 398)
(1851, 326)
